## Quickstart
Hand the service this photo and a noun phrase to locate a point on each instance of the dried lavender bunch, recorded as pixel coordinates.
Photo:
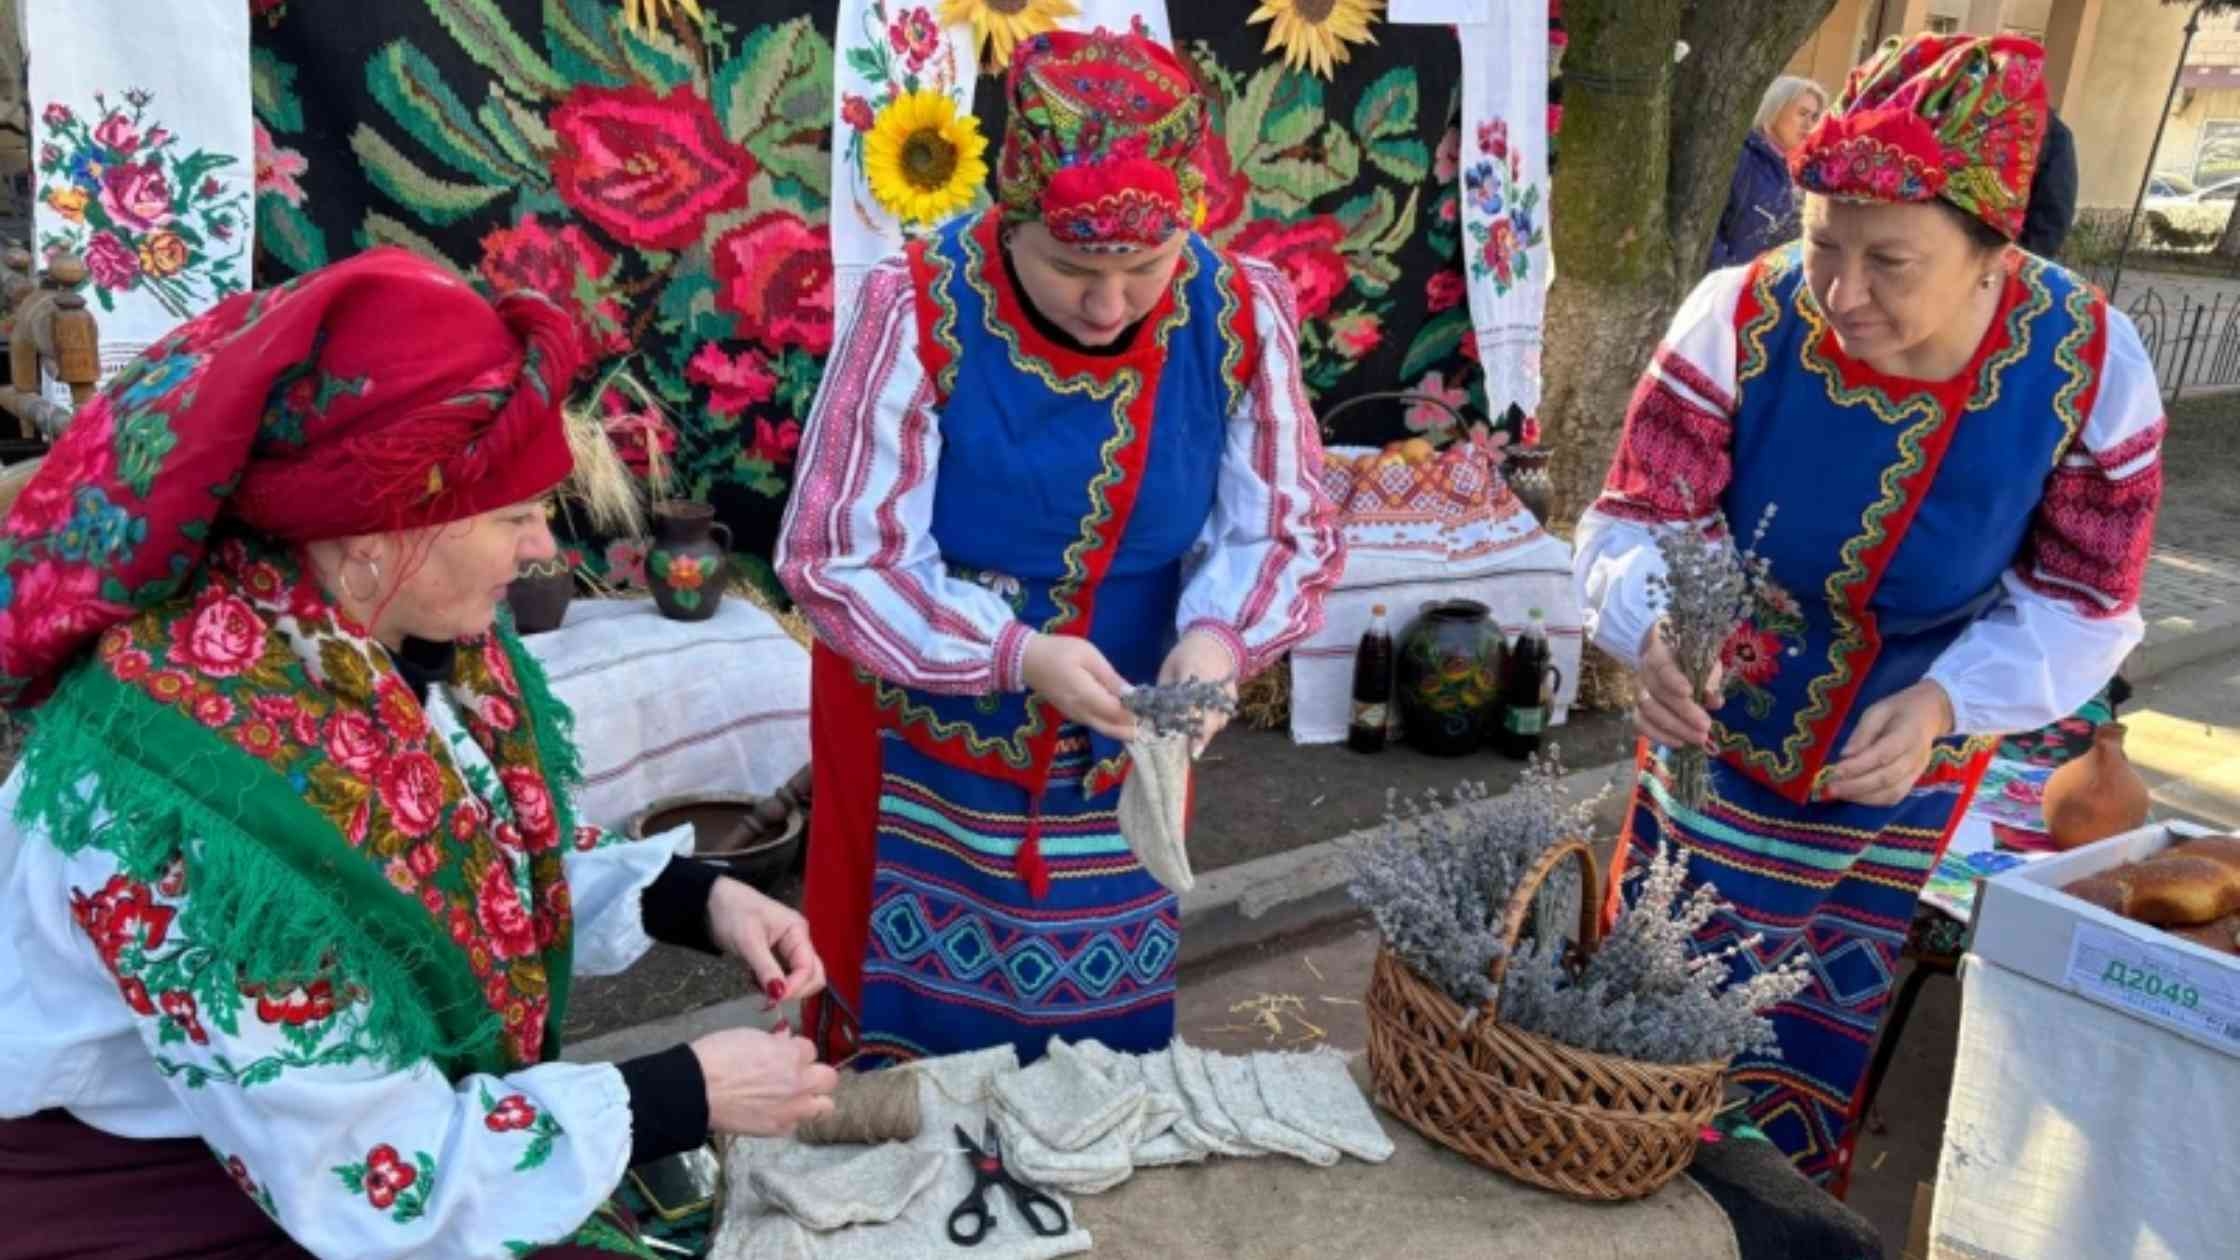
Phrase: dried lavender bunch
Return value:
(1180, 708)
(1437, 875)
(1708, 590)
(1648, 993)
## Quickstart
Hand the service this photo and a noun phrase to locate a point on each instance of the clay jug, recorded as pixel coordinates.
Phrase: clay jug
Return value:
(688, 563)
(540, 594)
(1526, 470)
(1449, 676)
(2097, 795)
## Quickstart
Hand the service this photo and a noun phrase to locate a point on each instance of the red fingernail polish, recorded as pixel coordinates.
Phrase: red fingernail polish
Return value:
(776, 989)
(782, 1028)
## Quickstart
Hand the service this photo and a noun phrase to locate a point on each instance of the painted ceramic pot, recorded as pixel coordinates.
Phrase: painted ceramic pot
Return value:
(2097, 795)
(540, 595)
(1449, 677)
(689, 562)
(1526, 470)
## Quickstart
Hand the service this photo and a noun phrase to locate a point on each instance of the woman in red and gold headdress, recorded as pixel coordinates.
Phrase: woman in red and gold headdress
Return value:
(1063, 448)
(1964, 444)
(294, 883)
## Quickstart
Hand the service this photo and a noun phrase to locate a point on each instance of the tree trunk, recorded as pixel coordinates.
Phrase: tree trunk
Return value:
(1649, 149)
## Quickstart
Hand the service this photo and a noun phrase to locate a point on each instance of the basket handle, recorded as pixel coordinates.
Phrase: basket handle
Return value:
(1392, 395)
(1520, 905)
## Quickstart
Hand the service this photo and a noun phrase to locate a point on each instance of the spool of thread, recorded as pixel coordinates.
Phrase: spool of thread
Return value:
(867, 1108)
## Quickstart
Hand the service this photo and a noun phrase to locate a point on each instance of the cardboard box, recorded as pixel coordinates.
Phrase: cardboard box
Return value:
(2024, 922)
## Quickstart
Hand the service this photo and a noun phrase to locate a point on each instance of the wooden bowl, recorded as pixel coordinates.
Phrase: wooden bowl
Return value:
(726, 832)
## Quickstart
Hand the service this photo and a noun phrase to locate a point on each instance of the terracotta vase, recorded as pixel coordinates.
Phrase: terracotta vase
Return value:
(2097, 795)
(540, 595)
(1526, 469)
(689, 562)
(1449, 676)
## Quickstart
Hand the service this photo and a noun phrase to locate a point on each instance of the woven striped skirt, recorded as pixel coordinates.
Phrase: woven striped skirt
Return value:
(1833, 882)
(959, 957)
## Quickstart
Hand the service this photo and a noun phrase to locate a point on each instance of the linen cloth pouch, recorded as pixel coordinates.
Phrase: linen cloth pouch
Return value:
(1183, 1141)
(1315, 1094)
(1093, 1169)
(848, 1185)
(1066, 1101)
(1212, 1120)
(1154, 808)
(1238, 1088)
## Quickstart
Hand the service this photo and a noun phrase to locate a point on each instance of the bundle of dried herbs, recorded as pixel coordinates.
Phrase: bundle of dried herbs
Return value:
(1180, 708)
(1438, 875)
(1708, 591)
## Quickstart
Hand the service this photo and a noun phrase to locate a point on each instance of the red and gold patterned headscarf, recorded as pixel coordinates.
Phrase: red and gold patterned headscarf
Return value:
(377, 394)
(1100, 139)
(1960, 117)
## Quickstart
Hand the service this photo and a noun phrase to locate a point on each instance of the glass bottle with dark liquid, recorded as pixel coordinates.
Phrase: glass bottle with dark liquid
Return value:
(1372, 686)
(1528, 684)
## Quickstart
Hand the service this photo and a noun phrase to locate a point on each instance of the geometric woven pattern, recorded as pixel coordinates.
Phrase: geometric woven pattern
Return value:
(1834, 884)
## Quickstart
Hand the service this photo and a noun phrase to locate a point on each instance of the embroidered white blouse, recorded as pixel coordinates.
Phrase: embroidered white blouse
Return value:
(2041, 650)
(351, 1156)
(858, 554)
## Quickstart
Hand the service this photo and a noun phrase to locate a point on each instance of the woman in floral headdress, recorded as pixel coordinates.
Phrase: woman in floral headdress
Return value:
(1964, 444)
(295, 889)
(1062, 448)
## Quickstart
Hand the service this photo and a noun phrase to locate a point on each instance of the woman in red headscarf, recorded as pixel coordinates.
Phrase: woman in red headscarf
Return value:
(1062, 448)
(1964, 444)
(295, 886)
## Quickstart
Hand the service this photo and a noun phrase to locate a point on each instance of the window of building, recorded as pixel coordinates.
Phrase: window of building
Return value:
(1943, 25)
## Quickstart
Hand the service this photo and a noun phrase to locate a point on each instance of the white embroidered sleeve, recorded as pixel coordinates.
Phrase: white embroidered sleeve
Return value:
(352, 1156)
(2068, 611)
(1271, 550)
(856, 550)
(607, 880)
(1672, 465)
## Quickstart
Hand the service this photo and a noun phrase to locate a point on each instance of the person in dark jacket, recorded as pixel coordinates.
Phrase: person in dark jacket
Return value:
(1762, 203)
(2053, 194)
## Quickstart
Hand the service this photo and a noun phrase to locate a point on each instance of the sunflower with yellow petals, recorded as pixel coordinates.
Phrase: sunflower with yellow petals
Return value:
(1313, 34)
(999, 25)
(923, 157)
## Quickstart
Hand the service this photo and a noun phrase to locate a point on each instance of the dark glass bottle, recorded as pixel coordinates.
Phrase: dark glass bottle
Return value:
(1528, 682)
(1372, 686)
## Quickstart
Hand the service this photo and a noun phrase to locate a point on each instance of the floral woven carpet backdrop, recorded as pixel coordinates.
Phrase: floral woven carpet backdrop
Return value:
(668, 183)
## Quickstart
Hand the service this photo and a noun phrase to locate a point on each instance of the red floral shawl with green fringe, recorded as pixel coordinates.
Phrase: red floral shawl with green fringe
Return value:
(249, 731)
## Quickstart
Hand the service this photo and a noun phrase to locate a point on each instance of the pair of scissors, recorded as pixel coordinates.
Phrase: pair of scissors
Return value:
(972, 1220)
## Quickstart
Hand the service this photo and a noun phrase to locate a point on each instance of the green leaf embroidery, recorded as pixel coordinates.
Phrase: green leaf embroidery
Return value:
(547, 1132)
(413, 90)
(1293, 182)
(413, 1203)
(1439, 338)
(1385, 119)
(775, 97)
(1367, 218)
(435, 200)
(380, 229)
(660, 60)
(272, 89)
(1294, 112)
(505, 131)
(293, 240)
(265, 1070)
(580, 36)
(142, 441)
(353, 1177)
(867, 63)
(484, 33)
(198, 164)
(1247, 112)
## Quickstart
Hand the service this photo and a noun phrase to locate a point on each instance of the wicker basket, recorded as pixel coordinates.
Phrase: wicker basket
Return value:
(1593, 1126)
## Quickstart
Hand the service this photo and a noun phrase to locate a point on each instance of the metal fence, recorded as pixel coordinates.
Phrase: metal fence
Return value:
(2194, 344)
(2191, 330)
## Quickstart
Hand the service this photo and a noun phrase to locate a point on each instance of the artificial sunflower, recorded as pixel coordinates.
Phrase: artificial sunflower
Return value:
(644, 15)
(1314, 33)
(999, 25)
(923, 157)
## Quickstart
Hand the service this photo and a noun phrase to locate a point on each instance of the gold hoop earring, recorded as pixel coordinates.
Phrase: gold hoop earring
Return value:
(373, 567)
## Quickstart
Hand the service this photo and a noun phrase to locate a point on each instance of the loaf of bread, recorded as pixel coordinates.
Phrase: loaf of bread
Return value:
(2193, 883)
(2222, 936)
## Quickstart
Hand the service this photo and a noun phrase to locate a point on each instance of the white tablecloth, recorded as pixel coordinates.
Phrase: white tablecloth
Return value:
(2078, 1131)
(664, 707)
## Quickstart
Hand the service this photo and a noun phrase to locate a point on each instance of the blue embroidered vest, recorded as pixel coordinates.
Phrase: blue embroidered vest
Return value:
(1900, 504)
(1073, 485)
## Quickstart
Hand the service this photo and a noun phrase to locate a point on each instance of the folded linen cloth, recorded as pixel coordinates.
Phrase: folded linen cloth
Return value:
(1315, 1094)
(1238, 1088)
(1221, 1134)
(855, 1185)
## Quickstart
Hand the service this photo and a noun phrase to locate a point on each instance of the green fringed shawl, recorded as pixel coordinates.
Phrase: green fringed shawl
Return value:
(121, 759)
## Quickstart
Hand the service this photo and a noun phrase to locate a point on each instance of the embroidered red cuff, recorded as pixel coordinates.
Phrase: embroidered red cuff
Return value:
(1230, 639)
(1011, 656)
